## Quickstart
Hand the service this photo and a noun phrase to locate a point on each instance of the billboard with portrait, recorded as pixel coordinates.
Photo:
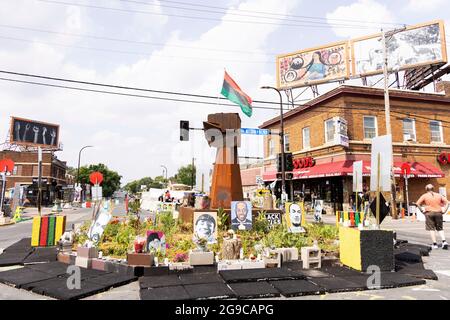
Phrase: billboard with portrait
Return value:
(205, 226)
(241, 215)
(34, 133)
(415, 46)
(313, 66)
(295, 217)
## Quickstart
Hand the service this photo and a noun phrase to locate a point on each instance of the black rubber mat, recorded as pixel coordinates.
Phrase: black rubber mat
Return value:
(254, 290)
(336, 284)
(419, 273)
(295, 288)
(340, 271)
(209, 291)
(23, 276)
(293, 265)
(112, 280)
(409, 264)
(165, 293)
(87, 274)
(422, 249)
(57, 288)
(23, 245)
(205, 269)
(251, 275)
(408, 255)
(155, 271)
(53, 268)
(161, 281)
(401, 280)
(200, 278)
(13, 258)
(314, 273)
(42, 255)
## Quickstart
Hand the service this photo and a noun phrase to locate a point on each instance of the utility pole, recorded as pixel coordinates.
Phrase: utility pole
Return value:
(387, 110)
(193, 173)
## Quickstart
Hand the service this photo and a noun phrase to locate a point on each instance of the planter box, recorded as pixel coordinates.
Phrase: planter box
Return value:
(257, 264)
(360, 249)
(140, 259)
(98, 264)
(84, 252)
(200, 258)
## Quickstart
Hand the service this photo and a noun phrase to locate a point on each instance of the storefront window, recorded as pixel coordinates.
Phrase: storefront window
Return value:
(409, 130)
(306, 138)
(370, 127)
(436, 131)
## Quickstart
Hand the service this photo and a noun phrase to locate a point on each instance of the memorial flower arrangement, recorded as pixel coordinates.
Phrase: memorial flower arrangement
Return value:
(180, 257)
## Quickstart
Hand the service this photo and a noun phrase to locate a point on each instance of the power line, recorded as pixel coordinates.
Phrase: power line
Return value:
(127, 87)
(132, 52)
(262, 12)
(201, 18)
(130, 41)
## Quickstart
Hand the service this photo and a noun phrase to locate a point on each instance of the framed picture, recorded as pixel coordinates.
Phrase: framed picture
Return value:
(295, 217)
(156, 240)
(205, 226)
(241, 215)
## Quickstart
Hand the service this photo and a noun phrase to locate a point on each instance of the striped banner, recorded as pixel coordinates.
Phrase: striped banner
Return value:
(46, 231)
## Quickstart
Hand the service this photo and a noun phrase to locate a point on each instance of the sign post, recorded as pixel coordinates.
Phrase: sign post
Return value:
(96, 178)
(39, 202)
(406, 170)
(357, 180)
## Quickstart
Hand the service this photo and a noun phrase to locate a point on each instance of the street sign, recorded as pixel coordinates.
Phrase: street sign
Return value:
(259, 180)
(96, 178)
(258, 132)
(406, 169)
(382, 151)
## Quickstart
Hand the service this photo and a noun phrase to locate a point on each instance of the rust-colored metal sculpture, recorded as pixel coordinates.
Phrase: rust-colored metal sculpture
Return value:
(222, 131)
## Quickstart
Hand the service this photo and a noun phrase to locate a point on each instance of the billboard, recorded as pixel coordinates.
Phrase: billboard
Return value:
(415, 46)
(313, 66)
(34, 133)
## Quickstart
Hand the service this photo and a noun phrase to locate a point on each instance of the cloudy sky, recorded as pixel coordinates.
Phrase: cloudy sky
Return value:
(181, 46)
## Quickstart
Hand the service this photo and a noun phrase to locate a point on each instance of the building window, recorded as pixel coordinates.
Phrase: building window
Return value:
(370, 127)
(436, 131)
(409, 130)
(329, 130)
(271, 147)
(306, 138)
(287, 145)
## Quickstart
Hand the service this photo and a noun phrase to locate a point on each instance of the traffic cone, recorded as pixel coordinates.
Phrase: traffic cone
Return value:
(403, 214)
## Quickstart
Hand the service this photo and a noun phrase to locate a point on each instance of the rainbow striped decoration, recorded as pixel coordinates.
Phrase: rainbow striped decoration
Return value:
(47, 230)
(354, 218)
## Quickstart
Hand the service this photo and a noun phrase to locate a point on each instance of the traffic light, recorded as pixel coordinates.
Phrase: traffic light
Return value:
(184, 130)
(288, 162)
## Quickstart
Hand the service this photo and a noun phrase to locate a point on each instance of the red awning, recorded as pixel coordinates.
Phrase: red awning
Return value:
(345, 168)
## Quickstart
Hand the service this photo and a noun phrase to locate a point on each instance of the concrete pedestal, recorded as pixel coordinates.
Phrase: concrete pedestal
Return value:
(201, 258)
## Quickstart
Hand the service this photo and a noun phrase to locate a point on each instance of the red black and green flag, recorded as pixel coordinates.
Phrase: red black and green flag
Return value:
(232, 92)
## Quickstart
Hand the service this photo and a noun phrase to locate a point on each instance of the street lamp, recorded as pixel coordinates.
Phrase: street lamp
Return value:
(164, 167)
(79, 159)
(283, 180)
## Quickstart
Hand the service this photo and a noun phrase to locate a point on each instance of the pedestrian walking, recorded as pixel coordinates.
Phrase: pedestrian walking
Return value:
(435, 207)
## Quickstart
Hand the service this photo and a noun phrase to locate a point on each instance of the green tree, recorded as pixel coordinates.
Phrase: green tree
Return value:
(111, 179)
(186, 175)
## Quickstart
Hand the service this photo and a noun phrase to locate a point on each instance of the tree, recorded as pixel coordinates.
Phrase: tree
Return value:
(134, 187)
(186, 175)
(111, 179)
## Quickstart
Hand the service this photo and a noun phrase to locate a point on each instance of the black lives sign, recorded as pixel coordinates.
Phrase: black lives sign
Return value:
(34, 133)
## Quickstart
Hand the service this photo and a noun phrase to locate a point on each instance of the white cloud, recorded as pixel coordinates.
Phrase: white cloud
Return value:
(428, 5)
(366, 13)
(133, 135)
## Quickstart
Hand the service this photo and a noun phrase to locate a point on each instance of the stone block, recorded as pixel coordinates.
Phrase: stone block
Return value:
(98, 264)
(84, 252)
(288, 254)
(140, 259)
(64, 258)
(229, 265)
(83, 262)
(199, 258)
(311, 258)
(257, 264)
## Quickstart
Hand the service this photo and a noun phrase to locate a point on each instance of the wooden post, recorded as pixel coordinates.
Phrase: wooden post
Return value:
(356, 194)
(378, 190)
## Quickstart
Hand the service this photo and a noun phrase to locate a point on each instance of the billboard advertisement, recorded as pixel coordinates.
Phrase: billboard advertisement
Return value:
(34, 133)
(313, 66)
(415, 46)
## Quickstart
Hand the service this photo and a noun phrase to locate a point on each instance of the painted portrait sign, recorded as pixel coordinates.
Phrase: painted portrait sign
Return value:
(295, 217)
(241, 215)
(313, 66)
(205, 226)
(156, 240)
(34, 133)
(318, 208)
(415, 46)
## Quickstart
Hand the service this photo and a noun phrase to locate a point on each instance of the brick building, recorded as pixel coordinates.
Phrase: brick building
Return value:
(25, 174)
(330, 132)
(250, 173)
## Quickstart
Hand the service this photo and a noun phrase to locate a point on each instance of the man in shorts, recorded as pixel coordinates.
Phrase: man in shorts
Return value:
(435, 206)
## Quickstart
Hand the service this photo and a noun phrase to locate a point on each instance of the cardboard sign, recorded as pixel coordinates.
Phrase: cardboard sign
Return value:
(98, 226)
(156, 241)
(295, 217)
(205, 226)
(382, 146)
(274, 219)
(358, 176)
(318, 207)
(97, 193)
(241, 215)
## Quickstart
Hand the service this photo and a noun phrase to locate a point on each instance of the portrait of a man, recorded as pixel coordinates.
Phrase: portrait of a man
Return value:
(241, 215)
(205, 226)
(295, 217)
